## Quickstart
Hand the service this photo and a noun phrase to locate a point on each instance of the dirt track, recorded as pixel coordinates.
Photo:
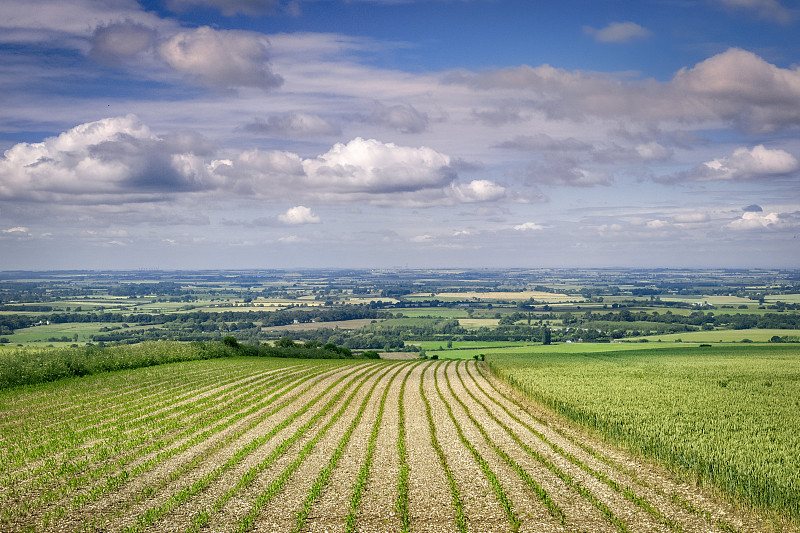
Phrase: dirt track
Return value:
(286, 455)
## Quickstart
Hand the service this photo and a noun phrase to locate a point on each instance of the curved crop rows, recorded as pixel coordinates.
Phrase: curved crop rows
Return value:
(242, 445)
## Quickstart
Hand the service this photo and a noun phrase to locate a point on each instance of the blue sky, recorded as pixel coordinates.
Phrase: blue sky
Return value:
(421, 133)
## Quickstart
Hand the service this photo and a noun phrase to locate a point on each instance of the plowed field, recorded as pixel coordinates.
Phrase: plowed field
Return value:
(252, 445)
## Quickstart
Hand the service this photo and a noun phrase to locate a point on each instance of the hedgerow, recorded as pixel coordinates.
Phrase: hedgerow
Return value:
(28, 366)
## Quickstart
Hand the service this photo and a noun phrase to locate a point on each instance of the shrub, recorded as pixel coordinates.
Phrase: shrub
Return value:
(231, 341)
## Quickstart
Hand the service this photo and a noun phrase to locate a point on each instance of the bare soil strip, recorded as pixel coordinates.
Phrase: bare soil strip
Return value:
(341, 495)
(377, 509)
(485, 501)
(222, 469)
(296, 505)
(430, 502)
(525, 495)
(370, 447)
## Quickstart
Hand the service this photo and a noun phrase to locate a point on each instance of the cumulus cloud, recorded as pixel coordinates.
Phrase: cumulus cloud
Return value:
(120, 160)
(362, 170)
(740, 86)
(367, 165)
(735, 86)
(293, 125)
(618, 32)
(102, 159)
(298, 215)
(766, 9)
(121, 41)
(752, 208)
(745, 164)
(221, 58)
(752, 220)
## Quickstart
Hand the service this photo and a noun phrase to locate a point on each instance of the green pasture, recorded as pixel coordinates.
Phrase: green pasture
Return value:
(711, 300)
(40, 334)
(726, 416)
(535, 349)
(466, 345)
(438, 312)
(725, 335)
(786, 298)
(406, 321)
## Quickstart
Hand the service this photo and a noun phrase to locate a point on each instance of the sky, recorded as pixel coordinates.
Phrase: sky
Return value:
(206, 134)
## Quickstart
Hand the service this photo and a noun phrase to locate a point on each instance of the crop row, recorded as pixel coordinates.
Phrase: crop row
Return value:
(137, 454)
(150, 449)
(308, 446)
(114, 424)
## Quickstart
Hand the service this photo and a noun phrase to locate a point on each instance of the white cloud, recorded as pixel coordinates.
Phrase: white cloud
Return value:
(18, 231)
(529, 226)
(618, 32)
(478, 191)
(657, 224)
(745, 164)
(360, 171)
(292, 239)
(117, 160)
(367, 165)
(755, 221)
(735, 86)
(221, 58)
(298, 215)
(96, 162)
(740, 86)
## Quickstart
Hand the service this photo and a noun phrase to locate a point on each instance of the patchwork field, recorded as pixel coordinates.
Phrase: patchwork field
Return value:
(287, 445)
